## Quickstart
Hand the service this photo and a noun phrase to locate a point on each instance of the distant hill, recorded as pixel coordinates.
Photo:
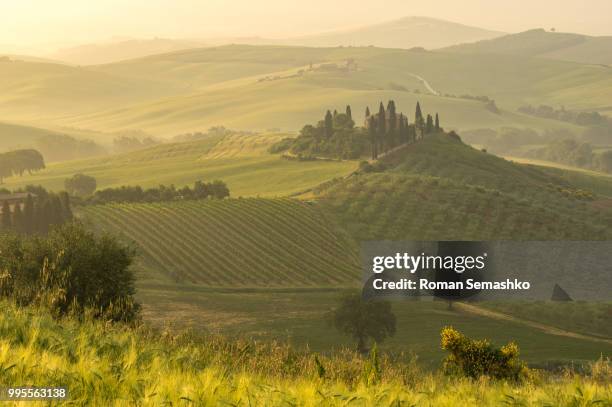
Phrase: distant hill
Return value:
(541, 43)
(407, 32)
(15, 136)
(104, 53)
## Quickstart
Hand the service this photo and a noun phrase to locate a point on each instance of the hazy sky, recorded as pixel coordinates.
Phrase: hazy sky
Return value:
(64, 22)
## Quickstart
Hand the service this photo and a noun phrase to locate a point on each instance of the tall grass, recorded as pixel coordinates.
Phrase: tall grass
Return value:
(106, 364)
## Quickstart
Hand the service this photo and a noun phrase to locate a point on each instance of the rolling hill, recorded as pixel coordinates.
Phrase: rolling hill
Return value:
(241, 161)
(229, 86)
(271, 268)
(440, 189)
(540, 43)
(114, 51)
(259, 87)
(407, 32)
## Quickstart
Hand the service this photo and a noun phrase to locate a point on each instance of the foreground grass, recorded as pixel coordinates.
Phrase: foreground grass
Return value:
(102, 364)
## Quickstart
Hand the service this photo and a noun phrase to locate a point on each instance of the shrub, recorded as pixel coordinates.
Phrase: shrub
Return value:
(81, 185)
(476, 358)
(69, 271)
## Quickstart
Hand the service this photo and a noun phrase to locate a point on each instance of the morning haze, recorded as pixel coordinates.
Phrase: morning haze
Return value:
(38, 26)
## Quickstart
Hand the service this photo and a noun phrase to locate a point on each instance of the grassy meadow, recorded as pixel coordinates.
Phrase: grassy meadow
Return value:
(241, 161)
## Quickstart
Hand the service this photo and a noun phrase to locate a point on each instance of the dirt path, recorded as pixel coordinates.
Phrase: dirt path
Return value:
(472, 309)
(426, 84)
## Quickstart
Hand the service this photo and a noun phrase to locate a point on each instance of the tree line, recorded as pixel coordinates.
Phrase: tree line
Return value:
(38, 214)
(337, 136)
(19, 161)
(201, 190)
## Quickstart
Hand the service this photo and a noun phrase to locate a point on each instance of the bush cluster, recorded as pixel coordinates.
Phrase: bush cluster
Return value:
(201, 190)
(476, 358)
(70, 271)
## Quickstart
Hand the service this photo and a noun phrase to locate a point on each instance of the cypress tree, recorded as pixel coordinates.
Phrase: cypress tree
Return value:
(429, 127)
(6, 216)
(28, 215)
(17, 218)
(66, 209)
(402, 130)
(372, 133)
(437, 122)
(392, 124)
(349, 114)
(329, 124)
(367, 113)
(419, 123)
(382, 126)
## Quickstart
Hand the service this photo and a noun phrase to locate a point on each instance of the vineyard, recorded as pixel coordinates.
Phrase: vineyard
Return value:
(234, 243)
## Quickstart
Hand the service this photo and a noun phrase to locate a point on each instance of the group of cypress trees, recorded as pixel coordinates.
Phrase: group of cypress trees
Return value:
(387, 129)
(38, 214)
(337, 136)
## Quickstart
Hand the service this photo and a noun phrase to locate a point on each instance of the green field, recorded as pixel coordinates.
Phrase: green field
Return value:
(234, 243)
(241, 161)
(300, 318)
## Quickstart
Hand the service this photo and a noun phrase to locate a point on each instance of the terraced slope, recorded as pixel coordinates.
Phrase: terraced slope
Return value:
(234, 243)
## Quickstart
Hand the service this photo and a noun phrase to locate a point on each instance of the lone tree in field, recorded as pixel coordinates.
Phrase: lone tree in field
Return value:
(364, 320)
(80, 184)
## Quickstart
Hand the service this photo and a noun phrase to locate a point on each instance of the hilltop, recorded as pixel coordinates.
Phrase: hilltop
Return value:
(406, 32)
(540, 43)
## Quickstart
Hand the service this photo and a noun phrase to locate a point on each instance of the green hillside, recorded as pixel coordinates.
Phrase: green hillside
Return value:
(234, 243)
(37, 90)
(260, 87)
(440, 189)
(241, 161)
(540, 43)
(14, 136)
